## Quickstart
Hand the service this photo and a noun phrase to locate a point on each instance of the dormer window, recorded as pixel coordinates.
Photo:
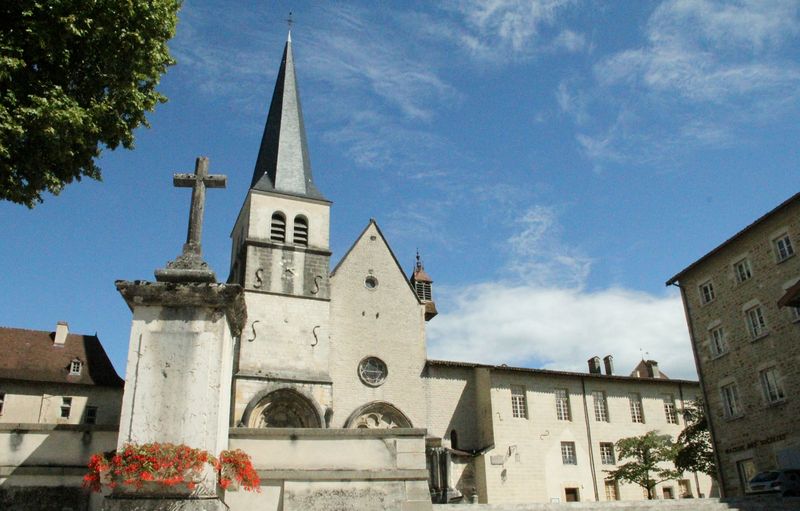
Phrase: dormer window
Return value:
(277, 230)
(75, 367)
(300, 231)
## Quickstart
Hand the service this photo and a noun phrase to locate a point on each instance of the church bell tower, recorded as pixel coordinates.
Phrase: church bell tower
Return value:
(281, 256)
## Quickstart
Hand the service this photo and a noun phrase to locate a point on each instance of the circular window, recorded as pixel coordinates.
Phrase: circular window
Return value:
(370, 282)
(372, 371)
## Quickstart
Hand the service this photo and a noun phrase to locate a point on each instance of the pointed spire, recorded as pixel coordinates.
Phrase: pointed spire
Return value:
(283, 164)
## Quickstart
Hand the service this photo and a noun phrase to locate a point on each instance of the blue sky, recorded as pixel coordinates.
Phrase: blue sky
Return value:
(554, 161)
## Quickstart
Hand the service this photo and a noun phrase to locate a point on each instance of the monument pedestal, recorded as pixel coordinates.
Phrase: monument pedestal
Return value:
(178, 380)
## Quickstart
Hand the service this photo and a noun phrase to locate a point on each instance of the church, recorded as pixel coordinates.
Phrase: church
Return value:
(321, 373)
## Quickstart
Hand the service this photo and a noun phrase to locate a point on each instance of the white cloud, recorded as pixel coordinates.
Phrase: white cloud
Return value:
(570, 41)
(541, 315)
(555, 328)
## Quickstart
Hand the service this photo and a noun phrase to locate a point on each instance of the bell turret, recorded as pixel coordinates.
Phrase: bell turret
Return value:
(421, 282)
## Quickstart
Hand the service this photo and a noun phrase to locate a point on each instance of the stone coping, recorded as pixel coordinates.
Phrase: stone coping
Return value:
(43, 470)
(24, 427)
(343, 475)
(227, 297)
(324, 433)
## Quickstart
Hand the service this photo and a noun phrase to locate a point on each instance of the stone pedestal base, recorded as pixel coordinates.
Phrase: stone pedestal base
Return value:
(163, 504)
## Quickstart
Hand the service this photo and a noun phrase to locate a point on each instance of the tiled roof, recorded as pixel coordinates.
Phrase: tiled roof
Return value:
(451, 363)
(30, 355)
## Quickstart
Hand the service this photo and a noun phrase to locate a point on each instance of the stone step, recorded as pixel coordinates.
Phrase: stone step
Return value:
(763, 503)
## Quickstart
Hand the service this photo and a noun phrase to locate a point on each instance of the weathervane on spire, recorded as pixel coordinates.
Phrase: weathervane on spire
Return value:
(290, 21)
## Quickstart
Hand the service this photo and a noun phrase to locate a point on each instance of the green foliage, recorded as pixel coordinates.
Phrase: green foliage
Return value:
(695, 452)
(74, 75)
(649, 454)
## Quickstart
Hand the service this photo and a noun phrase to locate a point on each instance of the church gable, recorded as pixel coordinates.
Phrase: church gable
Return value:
(377, 338)
(367, 255)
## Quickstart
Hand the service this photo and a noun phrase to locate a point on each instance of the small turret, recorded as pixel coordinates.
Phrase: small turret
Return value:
(421, 282)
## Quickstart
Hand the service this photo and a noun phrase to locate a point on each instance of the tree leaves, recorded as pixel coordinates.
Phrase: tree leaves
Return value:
(75, 77)
(651, 458)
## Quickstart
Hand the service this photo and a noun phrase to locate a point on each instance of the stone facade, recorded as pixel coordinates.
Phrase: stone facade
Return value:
(517, 454)
(746, 346)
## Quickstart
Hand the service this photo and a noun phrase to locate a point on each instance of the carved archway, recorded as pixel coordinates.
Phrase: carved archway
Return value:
(377, 415)
(282, 408)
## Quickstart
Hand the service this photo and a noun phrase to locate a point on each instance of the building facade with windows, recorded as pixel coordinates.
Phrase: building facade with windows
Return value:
(741, 304)
(533, 435)
(56, 378)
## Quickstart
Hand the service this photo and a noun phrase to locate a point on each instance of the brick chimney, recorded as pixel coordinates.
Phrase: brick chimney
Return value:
(594, 365)
(62, 330)
(608, 361)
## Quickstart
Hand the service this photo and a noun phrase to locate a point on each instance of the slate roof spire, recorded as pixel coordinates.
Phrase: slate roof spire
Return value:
(283, 164)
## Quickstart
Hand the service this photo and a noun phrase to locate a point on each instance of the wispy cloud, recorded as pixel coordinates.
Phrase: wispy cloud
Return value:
(490, 28)
(707, 69)
(539, 256)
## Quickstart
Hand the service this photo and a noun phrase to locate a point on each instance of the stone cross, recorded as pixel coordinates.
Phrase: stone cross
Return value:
(198, 182)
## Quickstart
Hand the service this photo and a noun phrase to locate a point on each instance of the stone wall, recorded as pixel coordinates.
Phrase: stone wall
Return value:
(34, 402)
(329, 469)
(764, 433)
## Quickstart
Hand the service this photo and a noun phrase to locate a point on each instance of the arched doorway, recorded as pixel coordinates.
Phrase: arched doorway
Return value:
(283, 408)
(377, 415)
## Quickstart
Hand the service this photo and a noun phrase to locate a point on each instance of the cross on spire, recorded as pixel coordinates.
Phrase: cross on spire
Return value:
(189, 266)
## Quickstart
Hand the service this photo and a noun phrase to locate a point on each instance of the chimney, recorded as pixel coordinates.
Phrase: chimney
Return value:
(594, 365)
(652, 369)
(62, 330)
(608, 361)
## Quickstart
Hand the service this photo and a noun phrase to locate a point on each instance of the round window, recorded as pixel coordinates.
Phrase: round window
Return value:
(370, 282)
(372, 371)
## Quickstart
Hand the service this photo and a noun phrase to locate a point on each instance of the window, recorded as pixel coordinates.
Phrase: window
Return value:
(572, 495)
(568, 453)
(372, 371)
(730, 400)
(717, 342)
(783, 247)
(370, 282)
(277, 229)
(636, 407)
(669, 410)
(300, 231)
(600, 406)
(66, 406)
(2, 401)
(756, 324)
(519, 406)
(607, 453)
(75, 367)
(562, 405)
(612, 492)
(91, 415)
(668, 492)
(742, 270)
(770, 382)
(706, 292)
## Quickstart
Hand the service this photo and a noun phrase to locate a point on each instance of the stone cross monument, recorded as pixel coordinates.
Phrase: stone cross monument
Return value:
(189, 266)
(180, 359)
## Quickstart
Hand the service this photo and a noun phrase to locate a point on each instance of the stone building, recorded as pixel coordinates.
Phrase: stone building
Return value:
(329, 387)
(56, 378)
(742, 311)
(60, 402)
